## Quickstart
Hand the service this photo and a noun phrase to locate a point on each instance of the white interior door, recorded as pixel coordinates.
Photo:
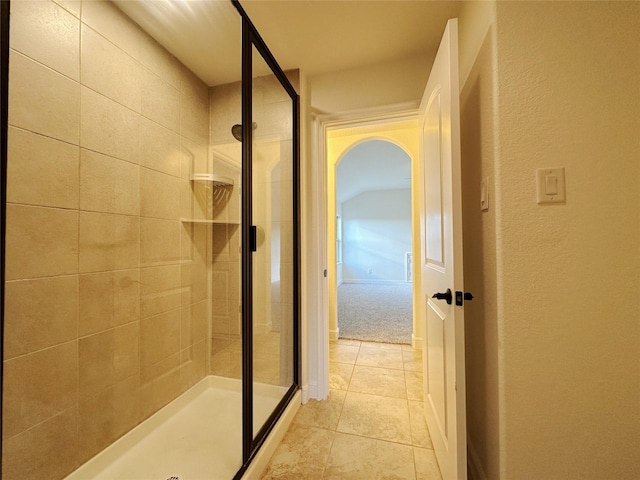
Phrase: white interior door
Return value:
(441, 260)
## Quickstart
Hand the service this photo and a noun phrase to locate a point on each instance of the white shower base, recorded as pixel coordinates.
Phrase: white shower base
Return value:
(198, 436)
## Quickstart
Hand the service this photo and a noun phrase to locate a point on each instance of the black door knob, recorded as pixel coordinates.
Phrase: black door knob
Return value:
(444, 296)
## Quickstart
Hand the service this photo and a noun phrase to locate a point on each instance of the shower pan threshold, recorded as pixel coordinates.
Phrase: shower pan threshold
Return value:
(198, 436)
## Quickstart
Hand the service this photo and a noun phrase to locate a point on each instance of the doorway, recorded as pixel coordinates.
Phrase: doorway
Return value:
(370, 246)
(373, 243)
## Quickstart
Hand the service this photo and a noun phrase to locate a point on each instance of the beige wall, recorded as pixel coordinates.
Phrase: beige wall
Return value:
(552, 369)
(477, 134)
(107, 290)
(569, 96)
(380, 85)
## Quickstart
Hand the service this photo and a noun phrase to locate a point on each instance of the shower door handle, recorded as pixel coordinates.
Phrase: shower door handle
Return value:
(253, 238)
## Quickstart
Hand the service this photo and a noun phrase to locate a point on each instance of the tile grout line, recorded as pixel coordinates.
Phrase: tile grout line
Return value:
(335, 431)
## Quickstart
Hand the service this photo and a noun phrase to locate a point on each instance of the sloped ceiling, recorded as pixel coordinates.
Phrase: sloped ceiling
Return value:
(372, 165)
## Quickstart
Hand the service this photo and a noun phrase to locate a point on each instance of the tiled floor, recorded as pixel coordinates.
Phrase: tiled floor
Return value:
(371, 426)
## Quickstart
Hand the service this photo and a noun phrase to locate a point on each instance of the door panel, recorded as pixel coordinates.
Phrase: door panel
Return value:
(441, 242)
(436, 374)
(431, 133)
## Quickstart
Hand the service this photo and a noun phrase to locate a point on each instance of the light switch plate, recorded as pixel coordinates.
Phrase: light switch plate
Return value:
(550, 185)
(484, 194)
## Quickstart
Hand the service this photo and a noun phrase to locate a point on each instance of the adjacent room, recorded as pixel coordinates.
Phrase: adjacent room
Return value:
(373, 243)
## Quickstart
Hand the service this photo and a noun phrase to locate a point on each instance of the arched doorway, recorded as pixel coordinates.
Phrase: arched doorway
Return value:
(374, 243)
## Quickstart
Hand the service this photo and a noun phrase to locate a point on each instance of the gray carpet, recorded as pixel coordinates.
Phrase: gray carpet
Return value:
(375, 313)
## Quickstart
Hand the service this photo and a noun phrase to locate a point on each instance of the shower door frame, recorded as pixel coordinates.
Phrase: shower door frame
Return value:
(250, 39)
(4, 126)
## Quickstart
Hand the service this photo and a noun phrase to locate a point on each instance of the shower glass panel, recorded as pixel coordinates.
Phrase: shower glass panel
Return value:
(273, 260)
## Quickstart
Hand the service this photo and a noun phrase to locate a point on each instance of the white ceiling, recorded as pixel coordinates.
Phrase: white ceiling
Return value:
(317, 36)
(320, 36)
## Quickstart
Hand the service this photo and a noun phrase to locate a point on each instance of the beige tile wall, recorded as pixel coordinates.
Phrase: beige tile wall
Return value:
(225, 106)
(107, 290)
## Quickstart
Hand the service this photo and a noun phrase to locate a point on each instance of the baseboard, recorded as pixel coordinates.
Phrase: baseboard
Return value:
(416, 342)
(334, 335)
(476, 472)
(377, 282)
(306, 392)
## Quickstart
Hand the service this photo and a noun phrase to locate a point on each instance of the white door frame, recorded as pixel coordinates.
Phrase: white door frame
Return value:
(318, 320)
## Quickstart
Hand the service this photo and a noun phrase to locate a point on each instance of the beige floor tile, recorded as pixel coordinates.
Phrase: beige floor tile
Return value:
(389, 347)
(374, 416)
(378, 381)
(339, 375)
(301, 455)
(426, 464)
(322, 414)
(343, 353)
(419, 431)
(378, 357)
(357, 458)
(377, 435)
(412, 360)
(414, 386)
(347, 341)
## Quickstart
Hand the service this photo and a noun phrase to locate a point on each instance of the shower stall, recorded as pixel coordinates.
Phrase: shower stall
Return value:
(150, 167)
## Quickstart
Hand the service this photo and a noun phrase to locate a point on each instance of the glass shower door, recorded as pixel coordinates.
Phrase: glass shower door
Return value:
(273, 258)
